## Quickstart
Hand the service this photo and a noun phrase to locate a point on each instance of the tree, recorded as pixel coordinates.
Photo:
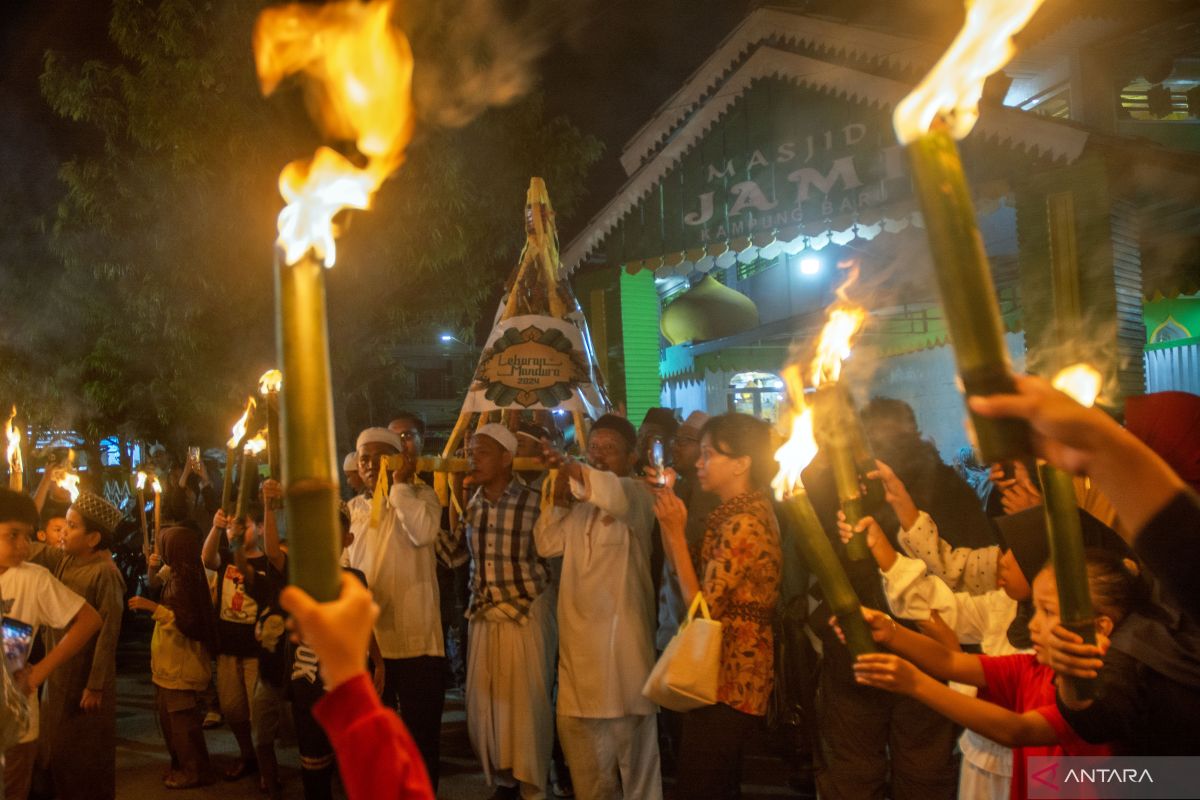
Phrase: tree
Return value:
(164, 233)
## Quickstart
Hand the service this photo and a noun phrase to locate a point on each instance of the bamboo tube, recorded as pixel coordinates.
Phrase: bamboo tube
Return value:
(141, 496)
(965, 283)
(581, 432)
(247, 472)
(306, 411)
(460, 427)
(832, 416)
(273, 454)
(157, 512)
(817, 552)
(1070, 569)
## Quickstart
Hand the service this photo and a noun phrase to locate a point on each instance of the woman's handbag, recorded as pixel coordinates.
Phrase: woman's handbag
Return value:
(686, 674)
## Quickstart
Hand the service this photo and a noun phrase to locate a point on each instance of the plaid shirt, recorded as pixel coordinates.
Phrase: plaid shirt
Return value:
(506, 572)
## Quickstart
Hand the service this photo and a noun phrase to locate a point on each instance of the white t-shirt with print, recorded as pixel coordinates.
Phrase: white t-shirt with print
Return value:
(29, 593)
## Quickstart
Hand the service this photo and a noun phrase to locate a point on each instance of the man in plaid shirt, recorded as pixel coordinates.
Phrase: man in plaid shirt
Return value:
(510, 660)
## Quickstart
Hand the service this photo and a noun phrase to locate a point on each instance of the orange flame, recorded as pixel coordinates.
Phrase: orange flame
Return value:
(239, 427)
(271, 381)
(256, 445)
(70, 482)
(156, 486)
(13, 435)
(843, 322)
(953, 87)
(141, 480)
(358, 69)
(801, 447)
(1081, 382)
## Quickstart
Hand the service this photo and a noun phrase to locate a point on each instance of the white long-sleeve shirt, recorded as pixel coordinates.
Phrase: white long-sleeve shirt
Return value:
(397, 558)
(963, 568)
(606, 610)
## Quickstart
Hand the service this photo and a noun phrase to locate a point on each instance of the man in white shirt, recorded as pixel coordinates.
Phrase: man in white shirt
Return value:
(393, 547)
(606, 617)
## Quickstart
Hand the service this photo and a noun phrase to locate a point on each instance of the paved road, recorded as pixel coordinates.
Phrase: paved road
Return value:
(141, 757)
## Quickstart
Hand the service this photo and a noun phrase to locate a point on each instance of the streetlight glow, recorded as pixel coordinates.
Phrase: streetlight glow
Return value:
(810, 265)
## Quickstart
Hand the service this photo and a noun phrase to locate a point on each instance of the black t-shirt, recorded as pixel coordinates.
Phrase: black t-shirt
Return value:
(237, 610)
(304, 680)
(269, 629)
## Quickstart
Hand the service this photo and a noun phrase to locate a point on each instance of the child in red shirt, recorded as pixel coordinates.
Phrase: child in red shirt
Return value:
(1016, 706)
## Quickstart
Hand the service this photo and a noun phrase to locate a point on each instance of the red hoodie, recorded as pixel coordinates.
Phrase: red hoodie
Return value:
(376, 755)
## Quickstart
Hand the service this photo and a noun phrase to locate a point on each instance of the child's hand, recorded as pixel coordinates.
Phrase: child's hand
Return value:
(338, 632)
(1017, 493)
(30, 678)
(868, 524)
(886, 671)
(91, 701)
(154, 562)
(1066, 653)
(271, 490)
(138, 603)
(896, 494)
(881, 625)
(936, 628)
(220, 521)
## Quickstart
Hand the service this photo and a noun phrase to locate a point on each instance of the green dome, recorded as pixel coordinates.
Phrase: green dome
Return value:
(708, 311)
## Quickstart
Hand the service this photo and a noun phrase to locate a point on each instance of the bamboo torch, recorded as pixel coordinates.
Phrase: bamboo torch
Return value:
(833, 409)
(232, 447)
(268, 387)
(141, 501)
(247, 474)
(69, 482)
(1082, 383)
(358, 71)
(157, 486)
(16, 466)
(814, 546)
(943, 108)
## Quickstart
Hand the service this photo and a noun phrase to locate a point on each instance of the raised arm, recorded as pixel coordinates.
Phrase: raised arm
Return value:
(272, 493)
(210, 554)
(927, 654)
(1009, 728)
(672, 524)
(417, 508)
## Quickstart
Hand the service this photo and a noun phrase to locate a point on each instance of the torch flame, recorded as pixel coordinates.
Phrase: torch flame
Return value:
(239, 427)
(70, 482)
(845, 319)
(358, 67)
(801, 447)
(13, 435)
(141, 480)
(1081, 382)
(156, 486)
(953, 87)
(271, 381)
(256, 445)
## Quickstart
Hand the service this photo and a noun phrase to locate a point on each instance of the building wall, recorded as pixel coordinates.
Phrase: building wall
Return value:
(928, 381)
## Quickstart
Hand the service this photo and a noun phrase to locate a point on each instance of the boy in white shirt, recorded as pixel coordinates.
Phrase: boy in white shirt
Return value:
(30, 594)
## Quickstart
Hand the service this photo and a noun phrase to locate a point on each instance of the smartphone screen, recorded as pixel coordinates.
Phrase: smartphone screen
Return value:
(658, 460)
(18, 641)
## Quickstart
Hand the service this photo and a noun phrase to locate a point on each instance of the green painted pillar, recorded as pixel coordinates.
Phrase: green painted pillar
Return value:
(640, 339)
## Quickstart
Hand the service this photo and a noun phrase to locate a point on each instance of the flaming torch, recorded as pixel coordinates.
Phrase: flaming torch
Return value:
(833, 411)
(248, 472)
(231, 451)
(1082, 383)
(268, 387)
(358, 70)
(814, 546)
(157, 509)
(141, 500)
(943, 108)
(69, 482)
(16, 467)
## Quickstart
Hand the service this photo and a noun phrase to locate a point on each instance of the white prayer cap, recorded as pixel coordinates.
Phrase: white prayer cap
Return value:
(380, 436)
(350, 464)
(501, 434)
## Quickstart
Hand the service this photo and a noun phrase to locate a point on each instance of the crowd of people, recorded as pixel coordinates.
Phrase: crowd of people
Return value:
(577, 575)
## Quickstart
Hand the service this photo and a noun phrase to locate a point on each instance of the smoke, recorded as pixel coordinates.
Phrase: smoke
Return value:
(474, 54)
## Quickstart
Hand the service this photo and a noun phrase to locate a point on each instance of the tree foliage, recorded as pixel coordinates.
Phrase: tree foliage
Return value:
(162, 240)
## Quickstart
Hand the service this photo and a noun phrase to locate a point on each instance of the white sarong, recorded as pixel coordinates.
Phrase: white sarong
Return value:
(510, 671)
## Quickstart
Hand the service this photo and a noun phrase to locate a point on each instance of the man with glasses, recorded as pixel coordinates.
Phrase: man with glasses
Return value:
(602, 530)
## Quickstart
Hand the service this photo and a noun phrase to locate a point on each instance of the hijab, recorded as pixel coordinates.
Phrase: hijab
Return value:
(186, 592)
